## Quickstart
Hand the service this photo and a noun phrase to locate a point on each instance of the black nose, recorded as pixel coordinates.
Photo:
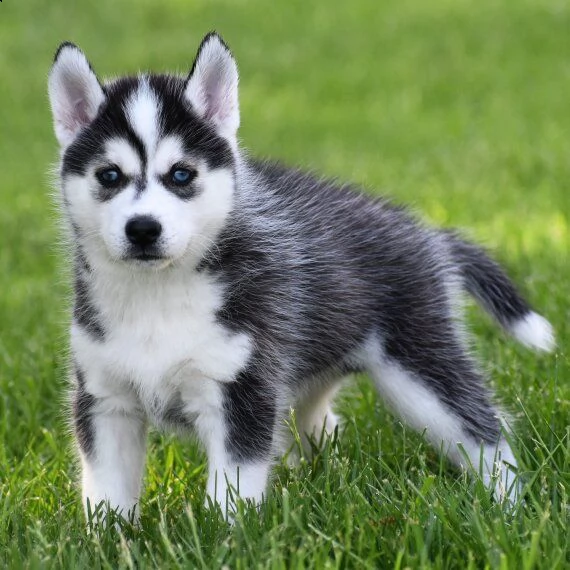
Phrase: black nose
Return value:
(143, 230)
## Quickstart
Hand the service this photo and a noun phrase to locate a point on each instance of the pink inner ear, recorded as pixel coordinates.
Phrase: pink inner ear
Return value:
(216, 92)
(212, 89)
(212, 107)
(211, 98)
(77, 116)
(218, 103)
(81, 112)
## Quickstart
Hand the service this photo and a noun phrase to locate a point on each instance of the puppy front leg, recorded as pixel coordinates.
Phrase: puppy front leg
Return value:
(239, 442)
(112, 445)
(230, 477)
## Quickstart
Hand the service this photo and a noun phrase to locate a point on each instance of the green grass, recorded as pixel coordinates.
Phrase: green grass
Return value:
(458, 108)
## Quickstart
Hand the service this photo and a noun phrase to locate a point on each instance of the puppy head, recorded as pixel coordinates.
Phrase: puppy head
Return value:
(147, 162)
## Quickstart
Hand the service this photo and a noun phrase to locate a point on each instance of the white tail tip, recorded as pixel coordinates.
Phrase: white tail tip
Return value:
(534, 331)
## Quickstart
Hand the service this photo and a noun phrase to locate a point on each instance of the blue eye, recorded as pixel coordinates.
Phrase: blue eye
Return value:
(181, 176)
(110, 177)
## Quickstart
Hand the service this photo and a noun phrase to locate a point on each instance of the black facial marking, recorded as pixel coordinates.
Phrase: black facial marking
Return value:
(111, 122)
(176, 118)
(109, 187)
(82, 404)
(183, 188)
(140, 184)
(110, 177)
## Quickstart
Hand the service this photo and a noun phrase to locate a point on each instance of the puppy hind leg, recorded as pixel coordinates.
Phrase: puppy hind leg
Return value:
(445, 396)
(315, 416)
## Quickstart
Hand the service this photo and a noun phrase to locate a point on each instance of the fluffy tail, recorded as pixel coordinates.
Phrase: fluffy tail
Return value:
(496, 293)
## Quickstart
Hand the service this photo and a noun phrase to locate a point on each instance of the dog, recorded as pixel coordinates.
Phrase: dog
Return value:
(215, 292)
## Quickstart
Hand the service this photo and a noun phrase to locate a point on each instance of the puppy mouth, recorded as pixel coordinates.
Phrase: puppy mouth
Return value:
(145, 255)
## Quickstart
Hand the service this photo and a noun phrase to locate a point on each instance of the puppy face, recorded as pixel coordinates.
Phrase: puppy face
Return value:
(148, 163)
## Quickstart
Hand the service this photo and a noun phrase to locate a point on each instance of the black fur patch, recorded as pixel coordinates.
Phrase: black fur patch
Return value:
(250, 415)
(82, 405)
(85, 313)
(338, 269)
(487, 282)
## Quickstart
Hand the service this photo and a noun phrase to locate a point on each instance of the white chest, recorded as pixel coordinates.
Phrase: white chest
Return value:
(161, 338)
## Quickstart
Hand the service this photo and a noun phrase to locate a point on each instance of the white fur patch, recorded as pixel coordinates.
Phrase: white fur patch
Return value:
(534, 331)
(162, 336)
(142, 113)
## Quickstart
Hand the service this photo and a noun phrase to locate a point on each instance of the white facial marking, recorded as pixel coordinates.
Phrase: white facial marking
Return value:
(168, 152)
(120, 152)
(142, 113)
(189, 226)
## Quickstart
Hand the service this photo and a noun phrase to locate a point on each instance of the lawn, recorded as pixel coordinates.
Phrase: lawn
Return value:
(460, 109)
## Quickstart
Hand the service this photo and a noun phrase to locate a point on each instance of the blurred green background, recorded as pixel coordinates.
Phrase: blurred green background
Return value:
(458, 108)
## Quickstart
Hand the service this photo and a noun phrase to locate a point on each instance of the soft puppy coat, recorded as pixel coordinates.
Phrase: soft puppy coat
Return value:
(215, 293)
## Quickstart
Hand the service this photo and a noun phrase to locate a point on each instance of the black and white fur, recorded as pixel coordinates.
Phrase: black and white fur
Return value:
(250, 290)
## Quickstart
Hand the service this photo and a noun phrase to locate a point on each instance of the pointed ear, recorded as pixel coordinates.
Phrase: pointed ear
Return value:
(212, 86)
(74, 91)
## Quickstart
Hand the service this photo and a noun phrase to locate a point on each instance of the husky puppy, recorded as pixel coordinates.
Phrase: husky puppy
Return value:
(214, 292)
